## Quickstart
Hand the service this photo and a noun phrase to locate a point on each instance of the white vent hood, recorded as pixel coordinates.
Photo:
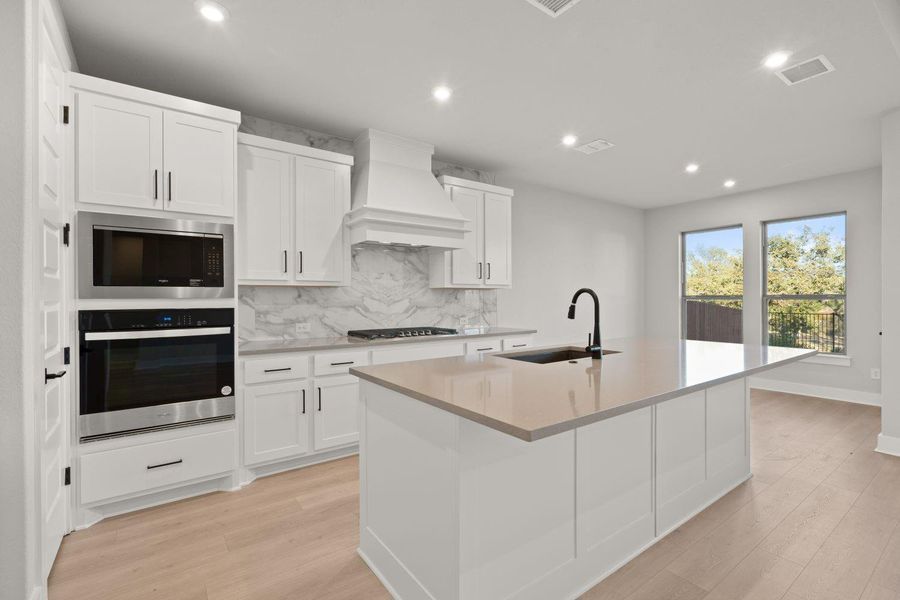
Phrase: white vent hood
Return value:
(396, 199)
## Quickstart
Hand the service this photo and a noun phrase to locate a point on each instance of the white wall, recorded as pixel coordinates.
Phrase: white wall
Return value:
(890, 247)
(16, 457)
(562, 242)
(857, 193)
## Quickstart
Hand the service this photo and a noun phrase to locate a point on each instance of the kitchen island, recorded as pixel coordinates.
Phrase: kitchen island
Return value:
(487, 477)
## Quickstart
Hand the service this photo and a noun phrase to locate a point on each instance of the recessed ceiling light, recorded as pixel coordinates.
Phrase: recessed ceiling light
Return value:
(692, 168)
(211, 11)
(569, 140)
(730, 183)
(777, 59)
(442, 93)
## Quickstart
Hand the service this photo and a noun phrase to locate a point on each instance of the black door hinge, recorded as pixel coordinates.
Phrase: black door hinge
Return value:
(67, 355)
(67, 476)
(65, 114)
(66, 229)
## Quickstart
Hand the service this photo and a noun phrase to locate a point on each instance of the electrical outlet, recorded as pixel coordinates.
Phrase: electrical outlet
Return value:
(875, 373)
(302, 327)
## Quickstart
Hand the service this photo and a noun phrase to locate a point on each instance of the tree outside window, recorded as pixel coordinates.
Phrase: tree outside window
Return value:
(713, 285)
(805, 283)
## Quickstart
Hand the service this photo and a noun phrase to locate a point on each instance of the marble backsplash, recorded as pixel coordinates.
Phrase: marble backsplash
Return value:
(388, 285)
(388, 288)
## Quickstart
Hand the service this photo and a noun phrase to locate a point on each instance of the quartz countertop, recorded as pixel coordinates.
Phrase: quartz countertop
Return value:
(532, 401)
(249, 348)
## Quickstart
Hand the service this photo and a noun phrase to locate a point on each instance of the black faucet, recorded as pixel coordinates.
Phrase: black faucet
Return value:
(594, 346)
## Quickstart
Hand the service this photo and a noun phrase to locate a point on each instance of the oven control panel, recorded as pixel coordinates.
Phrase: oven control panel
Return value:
(124, 320)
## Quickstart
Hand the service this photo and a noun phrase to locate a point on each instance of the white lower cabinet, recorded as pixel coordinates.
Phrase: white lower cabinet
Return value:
(337, 411)
(276, 423)
(125, 471)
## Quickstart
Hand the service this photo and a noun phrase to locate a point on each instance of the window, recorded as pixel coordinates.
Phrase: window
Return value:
(712, 285)
(805, 283)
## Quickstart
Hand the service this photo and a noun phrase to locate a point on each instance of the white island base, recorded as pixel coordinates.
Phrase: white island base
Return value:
(452, 509)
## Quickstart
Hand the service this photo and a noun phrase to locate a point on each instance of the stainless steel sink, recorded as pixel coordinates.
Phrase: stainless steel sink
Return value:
(552, 355)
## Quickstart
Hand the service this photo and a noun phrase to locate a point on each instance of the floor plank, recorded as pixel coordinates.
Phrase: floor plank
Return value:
(818, 520)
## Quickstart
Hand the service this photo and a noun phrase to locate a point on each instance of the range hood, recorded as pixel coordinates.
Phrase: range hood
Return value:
(396, 199)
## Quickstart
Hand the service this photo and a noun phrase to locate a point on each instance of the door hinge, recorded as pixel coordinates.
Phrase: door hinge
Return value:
(66, 229)
(67, 476)
(67, 355)
(65, 114)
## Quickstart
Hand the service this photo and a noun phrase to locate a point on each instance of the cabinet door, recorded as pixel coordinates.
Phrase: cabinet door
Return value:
(497, 237)
(467, 263)
(337, 403)
(199, 165)
(119, 150)
(322, 196)
(275, 421)
(264, 213)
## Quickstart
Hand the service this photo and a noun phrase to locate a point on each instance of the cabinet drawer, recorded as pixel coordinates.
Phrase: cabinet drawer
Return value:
(340, 362)
(115, 473)
(483, 346)
(517, 343)
(279, 368)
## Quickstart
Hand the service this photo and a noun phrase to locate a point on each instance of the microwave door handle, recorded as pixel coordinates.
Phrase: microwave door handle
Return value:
(156, 333)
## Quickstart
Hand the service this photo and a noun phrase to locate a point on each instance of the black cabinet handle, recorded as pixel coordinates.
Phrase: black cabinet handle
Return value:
(156, 184)
(479, 271)
(285, 261)
(320, 399)
(489, 270)
(303, 412)
(49, 376)
(300, 256)
(346, 362)
(170, 186)
(168, 464)
(483, 349)
(276, 370)
(519, 345)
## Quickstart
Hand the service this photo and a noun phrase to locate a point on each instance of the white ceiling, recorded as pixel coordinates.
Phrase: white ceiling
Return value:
(667, 82)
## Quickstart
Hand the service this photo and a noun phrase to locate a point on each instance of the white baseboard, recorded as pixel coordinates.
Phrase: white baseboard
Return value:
(818, 391)
(888, 444)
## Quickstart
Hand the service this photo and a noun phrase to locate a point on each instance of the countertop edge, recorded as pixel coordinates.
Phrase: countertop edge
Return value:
(532, 435)
(377, 343)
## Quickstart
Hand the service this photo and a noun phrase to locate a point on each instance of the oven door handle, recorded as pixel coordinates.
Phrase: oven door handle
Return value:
(156, 333)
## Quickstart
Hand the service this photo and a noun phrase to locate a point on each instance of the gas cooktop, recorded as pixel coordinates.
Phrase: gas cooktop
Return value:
(400, 332)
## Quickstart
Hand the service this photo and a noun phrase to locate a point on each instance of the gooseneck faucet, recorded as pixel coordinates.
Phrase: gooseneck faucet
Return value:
(594, 346)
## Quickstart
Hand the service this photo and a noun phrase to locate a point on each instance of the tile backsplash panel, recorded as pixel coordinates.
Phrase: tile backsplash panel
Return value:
(388, 286)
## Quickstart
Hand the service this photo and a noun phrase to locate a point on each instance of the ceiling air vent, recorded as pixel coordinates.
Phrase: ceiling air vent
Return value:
(554, 8)
(805, 70)
(595, 146)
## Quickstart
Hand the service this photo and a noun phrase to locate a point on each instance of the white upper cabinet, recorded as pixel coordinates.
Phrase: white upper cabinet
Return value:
(264, 214)
(485, 260)
(291, 208)
(141, 149)
(198, 156)
(119, 152)
(322, 198)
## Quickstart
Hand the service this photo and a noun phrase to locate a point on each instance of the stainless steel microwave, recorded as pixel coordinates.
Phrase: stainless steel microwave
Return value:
(121, 256)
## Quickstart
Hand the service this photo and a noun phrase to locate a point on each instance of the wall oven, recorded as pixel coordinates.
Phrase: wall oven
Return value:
(121, 256)
(147, 369)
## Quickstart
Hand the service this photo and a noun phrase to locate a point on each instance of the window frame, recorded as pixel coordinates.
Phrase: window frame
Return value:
(765, 279)
(684, 298)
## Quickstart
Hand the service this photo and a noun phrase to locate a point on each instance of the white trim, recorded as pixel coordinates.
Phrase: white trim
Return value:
(818, 391)
(258, 141)
(835, 360)
(37, 593)
(888, 444)
(475, 185)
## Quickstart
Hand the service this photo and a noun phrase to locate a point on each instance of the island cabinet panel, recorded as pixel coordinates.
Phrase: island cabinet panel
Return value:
(614, 466)
(680, 458)
(532, 484)
(726, 422)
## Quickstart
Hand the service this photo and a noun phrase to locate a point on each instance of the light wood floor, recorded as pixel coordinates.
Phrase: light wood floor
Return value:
(818, 521)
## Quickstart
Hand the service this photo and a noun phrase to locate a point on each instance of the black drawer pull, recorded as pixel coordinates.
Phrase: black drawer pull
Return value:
(303, 411)
(519, 345)
(168, 464)
(346, 362)
(483, 349)
(320, 399)
(277, 370)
